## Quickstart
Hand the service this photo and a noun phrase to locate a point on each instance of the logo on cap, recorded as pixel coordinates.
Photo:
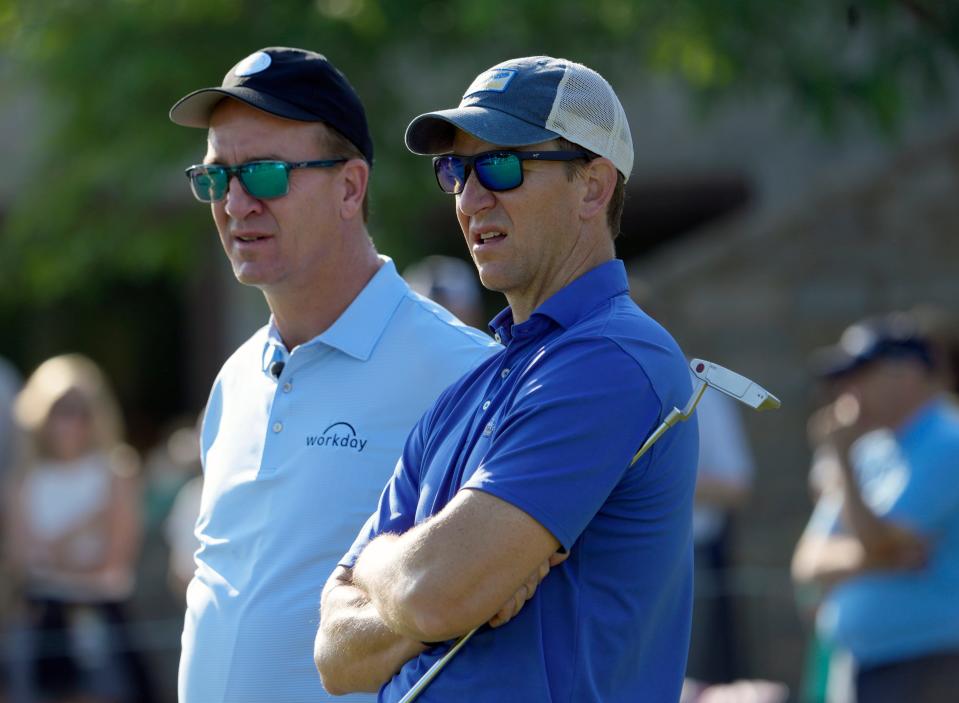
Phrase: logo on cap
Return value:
(495, 80)
(254, 63)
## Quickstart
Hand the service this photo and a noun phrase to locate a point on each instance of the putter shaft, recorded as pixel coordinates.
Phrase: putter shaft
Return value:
(709, 375)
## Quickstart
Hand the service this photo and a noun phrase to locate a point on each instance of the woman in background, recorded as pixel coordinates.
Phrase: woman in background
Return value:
(74, 533)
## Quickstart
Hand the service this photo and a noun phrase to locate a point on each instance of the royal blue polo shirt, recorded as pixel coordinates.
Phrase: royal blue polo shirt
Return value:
(550, 425)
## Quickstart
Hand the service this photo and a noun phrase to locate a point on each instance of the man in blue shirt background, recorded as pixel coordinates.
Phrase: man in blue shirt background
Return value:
(513, 501)
(884, 547)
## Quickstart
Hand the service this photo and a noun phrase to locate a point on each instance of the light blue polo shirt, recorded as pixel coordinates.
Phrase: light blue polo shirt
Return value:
(550, 425)
(292, 468)
(910, 477)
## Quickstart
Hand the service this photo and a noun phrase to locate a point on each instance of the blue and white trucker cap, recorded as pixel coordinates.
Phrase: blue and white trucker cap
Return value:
(530, 100)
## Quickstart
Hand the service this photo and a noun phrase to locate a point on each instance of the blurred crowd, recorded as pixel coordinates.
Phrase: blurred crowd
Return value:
(876, 568)
(78, 507)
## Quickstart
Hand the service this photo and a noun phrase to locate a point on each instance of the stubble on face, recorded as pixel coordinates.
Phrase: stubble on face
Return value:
(535, 258)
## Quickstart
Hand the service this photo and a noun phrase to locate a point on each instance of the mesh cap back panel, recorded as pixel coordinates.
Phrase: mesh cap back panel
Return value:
(587, 112)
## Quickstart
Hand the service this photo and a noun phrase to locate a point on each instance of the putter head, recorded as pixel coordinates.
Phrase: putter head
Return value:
(734, 385)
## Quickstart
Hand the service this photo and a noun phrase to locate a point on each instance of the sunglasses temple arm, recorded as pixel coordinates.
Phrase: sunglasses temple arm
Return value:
(675, 415)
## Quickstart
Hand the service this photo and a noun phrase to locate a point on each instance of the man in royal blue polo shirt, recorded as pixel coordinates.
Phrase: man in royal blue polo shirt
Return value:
(513, 504)
(306, 418)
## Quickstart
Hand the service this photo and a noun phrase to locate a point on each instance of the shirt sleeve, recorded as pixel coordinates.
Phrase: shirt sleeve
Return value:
(930, 497)
(561, 447)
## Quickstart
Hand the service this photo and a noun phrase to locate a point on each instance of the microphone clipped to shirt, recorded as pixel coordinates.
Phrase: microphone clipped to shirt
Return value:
(276, 368)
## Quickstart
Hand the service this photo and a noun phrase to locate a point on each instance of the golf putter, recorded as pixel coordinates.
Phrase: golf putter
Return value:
(712, 375)
(709, 375)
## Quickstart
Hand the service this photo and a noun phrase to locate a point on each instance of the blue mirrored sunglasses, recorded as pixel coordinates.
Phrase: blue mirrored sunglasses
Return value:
(496, 170)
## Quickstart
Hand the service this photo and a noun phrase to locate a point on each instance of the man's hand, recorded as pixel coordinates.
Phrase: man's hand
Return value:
(839, 423)
(886, 544)
(354, 650)
(512, 607)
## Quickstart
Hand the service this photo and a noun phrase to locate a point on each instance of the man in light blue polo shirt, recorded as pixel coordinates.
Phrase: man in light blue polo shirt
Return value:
(305, 420)
(514, 506)
(885, 548)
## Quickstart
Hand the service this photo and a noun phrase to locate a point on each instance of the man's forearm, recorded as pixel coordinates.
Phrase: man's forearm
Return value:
(825, 561)
(354, 649)
(378, 573)
(456, 570)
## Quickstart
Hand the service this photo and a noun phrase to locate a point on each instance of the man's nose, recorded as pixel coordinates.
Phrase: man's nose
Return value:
(239, 203)
(475, 196)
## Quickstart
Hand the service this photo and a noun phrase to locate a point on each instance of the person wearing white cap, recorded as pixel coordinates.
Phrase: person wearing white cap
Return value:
(307, 417)
(513, 507)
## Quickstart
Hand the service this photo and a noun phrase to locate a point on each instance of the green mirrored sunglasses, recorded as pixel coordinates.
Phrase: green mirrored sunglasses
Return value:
(261, 179)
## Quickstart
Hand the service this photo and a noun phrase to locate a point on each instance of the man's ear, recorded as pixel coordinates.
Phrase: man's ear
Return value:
(355, 177)
(599, 178)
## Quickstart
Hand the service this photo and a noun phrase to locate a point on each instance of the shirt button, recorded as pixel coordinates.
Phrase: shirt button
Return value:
(486, 405)
(499, 340)
(277, 427)
(504, 373)
(287, 387)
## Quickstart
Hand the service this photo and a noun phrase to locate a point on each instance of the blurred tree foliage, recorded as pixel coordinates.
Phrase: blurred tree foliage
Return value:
(106, 201)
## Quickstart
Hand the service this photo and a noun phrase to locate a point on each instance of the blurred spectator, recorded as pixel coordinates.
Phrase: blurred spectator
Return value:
(828, 672)
(9, 385)
(73, 533)
(452, 283)
(941, 328)
(883, 542)
(723, 482)
(170, 464)
(181, 456)
(180, 535)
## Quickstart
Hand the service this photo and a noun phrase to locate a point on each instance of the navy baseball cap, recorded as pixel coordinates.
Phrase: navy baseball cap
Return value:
(894, 336)
(531, 100)
(292, 83)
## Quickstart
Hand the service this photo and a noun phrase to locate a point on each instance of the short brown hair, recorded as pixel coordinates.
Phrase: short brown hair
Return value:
(342, 148)
(614, 209)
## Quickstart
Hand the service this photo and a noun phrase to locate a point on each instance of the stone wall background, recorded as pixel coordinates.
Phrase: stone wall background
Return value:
(758, 293)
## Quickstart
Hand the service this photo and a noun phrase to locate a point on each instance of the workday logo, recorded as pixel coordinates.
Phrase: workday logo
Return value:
(340, 435)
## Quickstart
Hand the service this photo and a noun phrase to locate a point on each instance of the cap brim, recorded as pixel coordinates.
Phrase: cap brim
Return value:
(833, 362)
(195, 109)
(433, 132)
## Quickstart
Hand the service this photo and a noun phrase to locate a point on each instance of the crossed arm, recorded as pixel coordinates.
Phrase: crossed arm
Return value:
(476, 561)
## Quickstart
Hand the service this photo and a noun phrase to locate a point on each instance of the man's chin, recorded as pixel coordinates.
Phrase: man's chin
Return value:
(251, 276)
(493, 280)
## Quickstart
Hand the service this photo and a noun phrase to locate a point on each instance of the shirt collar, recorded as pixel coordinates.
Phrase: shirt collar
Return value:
(361, 325)
(273, 348)
(571, 303)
